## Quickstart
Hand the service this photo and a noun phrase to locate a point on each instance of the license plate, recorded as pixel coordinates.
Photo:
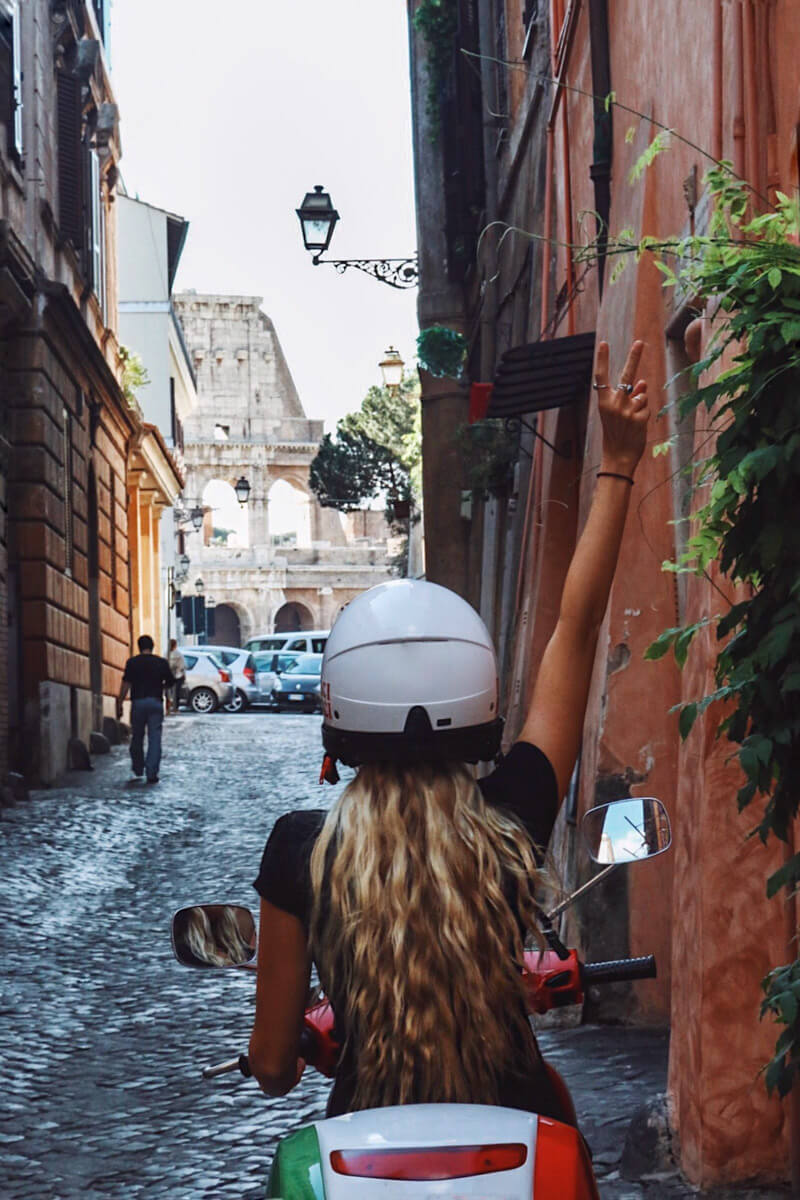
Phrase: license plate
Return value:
(296, 696)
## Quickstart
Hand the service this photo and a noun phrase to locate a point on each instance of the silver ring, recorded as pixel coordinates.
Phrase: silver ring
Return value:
(600, 387)
(625, 387)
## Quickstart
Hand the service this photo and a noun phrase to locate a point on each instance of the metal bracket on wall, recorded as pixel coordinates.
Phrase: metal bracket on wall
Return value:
(514, 427)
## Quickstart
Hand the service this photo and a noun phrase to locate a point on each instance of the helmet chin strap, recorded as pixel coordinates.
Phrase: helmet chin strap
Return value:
(328, 773)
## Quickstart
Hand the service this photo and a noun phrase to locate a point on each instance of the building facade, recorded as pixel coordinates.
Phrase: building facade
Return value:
(149, 247)
(280, 561)
(530, 162)
(69, 430)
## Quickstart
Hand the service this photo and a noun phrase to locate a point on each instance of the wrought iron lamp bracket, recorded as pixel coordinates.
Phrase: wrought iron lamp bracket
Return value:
(396, 272)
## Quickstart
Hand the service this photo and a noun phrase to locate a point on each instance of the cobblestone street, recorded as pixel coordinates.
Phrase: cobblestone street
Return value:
(103, 1034)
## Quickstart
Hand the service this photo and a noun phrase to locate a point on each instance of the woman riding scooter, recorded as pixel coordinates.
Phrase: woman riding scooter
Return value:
(414, 894)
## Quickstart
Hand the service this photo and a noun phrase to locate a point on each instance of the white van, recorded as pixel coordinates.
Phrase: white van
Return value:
(309, 641)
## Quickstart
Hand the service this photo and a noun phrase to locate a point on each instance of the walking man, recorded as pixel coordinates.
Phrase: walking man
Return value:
(146, 676)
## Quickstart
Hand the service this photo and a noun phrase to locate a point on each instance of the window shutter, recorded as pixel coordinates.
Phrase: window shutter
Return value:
(70, 154)
(16, 98)
(96, 232)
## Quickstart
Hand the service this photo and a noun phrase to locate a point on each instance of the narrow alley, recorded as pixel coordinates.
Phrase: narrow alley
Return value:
(104, 1034)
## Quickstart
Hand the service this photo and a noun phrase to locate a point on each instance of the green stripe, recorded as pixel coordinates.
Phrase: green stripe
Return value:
(296, 1169)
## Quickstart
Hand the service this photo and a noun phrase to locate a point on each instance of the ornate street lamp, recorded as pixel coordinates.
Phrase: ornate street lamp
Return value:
(392, 369)
(184, 562)
(242, 489)
(196, 517)
(318, 220)
(198, 586)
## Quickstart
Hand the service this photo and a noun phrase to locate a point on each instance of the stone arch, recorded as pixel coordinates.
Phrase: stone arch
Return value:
(289, 513)
(227, 626)
(293, 617)
(225, 520)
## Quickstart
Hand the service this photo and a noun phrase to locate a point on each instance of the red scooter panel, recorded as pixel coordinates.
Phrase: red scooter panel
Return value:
(562, 1170)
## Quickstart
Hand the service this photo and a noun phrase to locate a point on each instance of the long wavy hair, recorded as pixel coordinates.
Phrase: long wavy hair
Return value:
(419, 890)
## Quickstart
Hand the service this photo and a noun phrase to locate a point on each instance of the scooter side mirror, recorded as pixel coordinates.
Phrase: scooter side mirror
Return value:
(626, 830)
(214, 935)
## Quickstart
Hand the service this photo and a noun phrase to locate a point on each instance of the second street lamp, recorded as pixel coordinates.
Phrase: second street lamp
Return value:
(242, 489)
(318, 219)
(392, 369)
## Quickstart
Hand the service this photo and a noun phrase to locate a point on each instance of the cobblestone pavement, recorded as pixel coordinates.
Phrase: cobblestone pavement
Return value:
(102, 1034)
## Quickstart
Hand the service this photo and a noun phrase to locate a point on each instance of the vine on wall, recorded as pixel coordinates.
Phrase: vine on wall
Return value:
(437, 21)
(747, 523)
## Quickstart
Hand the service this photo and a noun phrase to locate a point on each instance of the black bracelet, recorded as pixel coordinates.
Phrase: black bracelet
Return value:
(615, 475)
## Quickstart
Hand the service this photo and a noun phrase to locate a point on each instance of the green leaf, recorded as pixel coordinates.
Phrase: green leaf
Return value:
(687, 720)
(774, 276)
(786, 876)
(630, 133)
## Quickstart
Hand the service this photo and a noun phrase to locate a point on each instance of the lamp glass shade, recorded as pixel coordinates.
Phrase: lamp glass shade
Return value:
(197, 517)
(184, 562)
(198, 586)
(242, 489)
(392, 368)
(318, 219)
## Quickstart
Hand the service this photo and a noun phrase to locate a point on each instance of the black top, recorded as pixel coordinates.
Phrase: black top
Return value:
(148, 675)
(524, 785)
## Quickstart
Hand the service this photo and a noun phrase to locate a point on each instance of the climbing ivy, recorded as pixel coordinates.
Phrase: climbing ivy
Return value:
(437, 21)
(747, 270)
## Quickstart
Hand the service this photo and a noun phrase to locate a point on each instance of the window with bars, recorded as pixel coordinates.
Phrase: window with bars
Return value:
(68, 493)
(11, 76)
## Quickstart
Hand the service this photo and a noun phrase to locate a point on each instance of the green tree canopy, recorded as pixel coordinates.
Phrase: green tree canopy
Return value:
(374, 452)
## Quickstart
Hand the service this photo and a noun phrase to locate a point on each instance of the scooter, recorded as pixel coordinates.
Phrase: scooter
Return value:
(442, 1151)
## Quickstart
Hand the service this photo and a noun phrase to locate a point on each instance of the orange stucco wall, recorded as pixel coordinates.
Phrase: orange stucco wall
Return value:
(701, 909)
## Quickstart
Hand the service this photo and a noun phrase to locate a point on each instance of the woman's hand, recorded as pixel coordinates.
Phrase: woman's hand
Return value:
(624, 414)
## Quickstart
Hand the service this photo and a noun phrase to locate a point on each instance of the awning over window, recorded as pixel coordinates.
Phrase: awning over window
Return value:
(542, 375)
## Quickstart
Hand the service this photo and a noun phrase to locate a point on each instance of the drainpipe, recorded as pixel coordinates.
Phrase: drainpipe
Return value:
(488, 302)
(600, 170)
(738, 92)
(716, 93)
(752, 123)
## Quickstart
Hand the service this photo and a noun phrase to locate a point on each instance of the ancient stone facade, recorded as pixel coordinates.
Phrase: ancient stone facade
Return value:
(289, 563)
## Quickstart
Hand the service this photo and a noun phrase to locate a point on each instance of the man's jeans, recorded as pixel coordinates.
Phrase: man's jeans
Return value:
(149, 714)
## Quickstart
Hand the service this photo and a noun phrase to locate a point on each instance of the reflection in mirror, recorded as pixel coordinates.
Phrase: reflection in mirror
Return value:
(627, 830)
(214, 935)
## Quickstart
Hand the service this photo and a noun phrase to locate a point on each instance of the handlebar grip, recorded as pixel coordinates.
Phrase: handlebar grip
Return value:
(620, 970)
(233, 1064)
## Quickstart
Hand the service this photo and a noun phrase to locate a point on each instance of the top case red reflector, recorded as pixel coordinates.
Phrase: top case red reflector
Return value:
(429, 1162)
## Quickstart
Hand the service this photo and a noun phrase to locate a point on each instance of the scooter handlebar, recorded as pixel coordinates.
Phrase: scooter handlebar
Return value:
(619, 970)
(223, 1068)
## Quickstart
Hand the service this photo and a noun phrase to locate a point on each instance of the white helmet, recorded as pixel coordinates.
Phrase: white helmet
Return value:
(409, 675)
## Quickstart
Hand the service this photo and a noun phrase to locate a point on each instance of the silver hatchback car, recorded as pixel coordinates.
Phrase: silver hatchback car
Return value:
(242, 667)
(208, 681)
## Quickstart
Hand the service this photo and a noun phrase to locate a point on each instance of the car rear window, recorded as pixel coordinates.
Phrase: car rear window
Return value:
(250, 663)
(190, 660)
(306, 664)
(273, 643)
(318, 645)
(227, 656)
(263, 661)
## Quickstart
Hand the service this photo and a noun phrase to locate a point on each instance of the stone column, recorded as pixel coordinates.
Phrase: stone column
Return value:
(135, 552)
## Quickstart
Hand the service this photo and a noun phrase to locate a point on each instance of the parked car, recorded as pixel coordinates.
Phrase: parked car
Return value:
(242, 667)
(298, 685)
(208, 681)
(269, 667)
(310, 641)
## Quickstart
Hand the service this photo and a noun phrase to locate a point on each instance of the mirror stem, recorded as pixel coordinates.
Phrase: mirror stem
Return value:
(587, 887)
(551, 937)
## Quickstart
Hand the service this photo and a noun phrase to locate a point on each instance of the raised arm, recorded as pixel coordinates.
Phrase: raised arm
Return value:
(554, 721)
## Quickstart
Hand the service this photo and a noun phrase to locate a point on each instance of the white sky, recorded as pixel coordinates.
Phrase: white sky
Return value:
(230, 112)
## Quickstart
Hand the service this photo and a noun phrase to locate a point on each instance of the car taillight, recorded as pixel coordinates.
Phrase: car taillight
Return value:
(250, 674)
(429, 1162)
(225, 676)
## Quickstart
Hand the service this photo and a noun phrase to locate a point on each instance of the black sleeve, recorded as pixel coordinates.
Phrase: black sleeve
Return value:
(524, 784)
(284, 877)
(126, 673)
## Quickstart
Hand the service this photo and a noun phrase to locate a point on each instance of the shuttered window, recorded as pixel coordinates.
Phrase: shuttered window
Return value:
(96, 233)
(71, 168)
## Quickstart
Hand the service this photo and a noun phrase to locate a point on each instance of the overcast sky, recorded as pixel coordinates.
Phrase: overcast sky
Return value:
(229, 114)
